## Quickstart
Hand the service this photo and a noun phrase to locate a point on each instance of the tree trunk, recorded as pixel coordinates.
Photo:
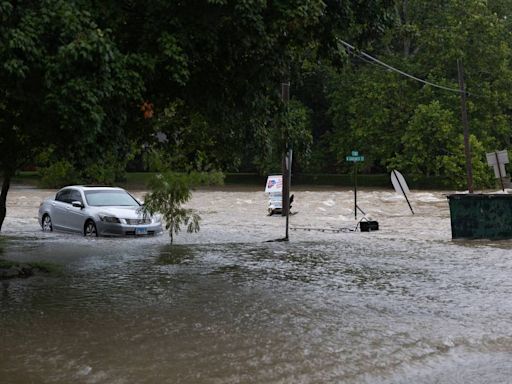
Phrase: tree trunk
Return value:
(3, 197)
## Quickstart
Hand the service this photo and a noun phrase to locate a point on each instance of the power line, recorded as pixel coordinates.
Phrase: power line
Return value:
(362, 54)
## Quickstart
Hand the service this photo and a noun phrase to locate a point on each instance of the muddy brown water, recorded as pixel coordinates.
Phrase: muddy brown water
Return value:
(405, 304)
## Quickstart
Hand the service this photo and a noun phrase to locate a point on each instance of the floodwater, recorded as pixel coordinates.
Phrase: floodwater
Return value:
(404, 304)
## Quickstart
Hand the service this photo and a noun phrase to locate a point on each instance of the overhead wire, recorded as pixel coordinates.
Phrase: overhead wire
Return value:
(363, 55)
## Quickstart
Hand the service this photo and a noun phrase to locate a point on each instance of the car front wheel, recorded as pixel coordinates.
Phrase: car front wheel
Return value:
(90, 229)
(47, 223)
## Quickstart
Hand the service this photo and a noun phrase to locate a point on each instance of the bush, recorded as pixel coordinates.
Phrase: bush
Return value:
(100, 174)
(58, 175)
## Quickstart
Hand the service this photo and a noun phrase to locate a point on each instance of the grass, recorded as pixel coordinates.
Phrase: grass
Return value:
(340, 180)
(141, 179)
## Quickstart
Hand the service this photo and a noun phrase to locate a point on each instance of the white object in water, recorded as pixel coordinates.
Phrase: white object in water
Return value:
(275, 203)
(274, 188)
(400, 185)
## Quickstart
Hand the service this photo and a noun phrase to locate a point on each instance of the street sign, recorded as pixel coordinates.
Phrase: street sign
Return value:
(497, 160)
(400, 186)
(354, 158)
(355, 153)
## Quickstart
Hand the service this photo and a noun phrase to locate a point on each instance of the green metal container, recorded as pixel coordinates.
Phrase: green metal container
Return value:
(479, 216)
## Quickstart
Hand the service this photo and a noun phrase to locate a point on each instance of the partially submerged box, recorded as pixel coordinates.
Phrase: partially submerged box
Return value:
(369, 226)
(274, 188)
(481, 216)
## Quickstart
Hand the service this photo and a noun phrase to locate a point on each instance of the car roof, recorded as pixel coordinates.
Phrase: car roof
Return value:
(94, 188)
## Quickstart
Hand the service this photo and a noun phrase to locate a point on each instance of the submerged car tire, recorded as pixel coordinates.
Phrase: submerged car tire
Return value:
(47, 223)
(90, 229)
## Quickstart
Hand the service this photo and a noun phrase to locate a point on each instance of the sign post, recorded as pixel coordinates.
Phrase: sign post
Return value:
(286, 162)
(400, 186)
(355, 158)
(288, 182)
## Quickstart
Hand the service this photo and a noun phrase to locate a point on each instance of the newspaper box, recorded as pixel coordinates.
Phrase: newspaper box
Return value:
(274, 189)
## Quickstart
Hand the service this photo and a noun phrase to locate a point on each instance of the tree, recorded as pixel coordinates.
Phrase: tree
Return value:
(169, 191)
(432, 145)
(65, 87)
(382, 113)
(215, 66)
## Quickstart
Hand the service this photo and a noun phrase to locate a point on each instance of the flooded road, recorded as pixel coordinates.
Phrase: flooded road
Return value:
(404, 304)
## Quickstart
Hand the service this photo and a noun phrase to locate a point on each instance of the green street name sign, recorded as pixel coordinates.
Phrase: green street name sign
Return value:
(355, 157)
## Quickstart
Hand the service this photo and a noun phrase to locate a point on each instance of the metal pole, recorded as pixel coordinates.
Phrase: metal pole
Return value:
(285, 97)
(289, 180)
(467, 146)
(285, 190)
(355, 190)
(287, 163)
(499, 171)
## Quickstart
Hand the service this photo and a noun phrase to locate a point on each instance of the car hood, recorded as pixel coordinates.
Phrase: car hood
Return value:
(119, 212)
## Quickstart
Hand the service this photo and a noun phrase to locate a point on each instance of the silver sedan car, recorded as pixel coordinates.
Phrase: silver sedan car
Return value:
(95, 211)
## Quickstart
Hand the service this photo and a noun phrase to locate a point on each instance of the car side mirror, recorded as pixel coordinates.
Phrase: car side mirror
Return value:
(77, 204)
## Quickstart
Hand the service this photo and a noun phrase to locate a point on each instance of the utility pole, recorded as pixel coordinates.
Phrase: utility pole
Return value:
(287, 162)
(467, 146)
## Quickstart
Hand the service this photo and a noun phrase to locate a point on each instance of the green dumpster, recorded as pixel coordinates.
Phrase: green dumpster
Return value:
(481, 216)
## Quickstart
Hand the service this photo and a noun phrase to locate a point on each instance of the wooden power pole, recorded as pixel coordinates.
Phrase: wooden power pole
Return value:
(467, 145)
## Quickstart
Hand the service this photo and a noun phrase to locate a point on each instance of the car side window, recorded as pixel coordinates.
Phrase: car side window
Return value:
(74, 195)
(62, 196)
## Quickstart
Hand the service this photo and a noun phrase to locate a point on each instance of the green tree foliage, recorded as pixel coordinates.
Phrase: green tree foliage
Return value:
(215, 67)
(432, 145)
(169, 191)
(392, 119)
(64, 85)
(292, 128)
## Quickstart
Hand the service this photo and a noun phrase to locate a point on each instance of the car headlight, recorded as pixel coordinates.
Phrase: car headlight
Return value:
(110, 219)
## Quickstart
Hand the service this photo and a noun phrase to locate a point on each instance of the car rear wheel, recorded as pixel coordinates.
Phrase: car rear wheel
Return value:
(47, 223)
(90, 229)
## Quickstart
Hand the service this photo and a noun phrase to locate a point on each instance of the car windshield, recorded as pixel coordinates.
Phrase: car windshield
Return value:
(110, 198)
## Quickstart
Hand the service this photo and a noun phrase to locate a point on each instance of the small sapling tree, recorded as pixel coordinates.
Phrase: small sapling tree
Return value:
(170, 190)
